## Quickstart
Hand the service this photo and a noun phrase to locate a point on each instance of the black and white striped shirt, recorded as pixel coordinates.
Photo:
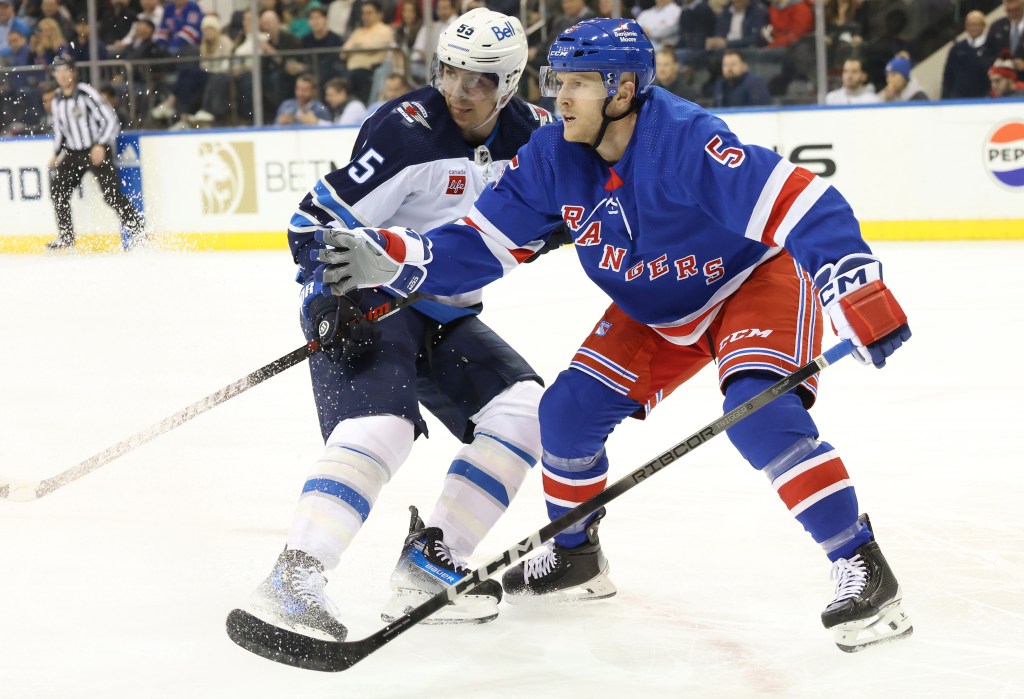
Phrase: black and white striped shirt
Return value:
(82, 119)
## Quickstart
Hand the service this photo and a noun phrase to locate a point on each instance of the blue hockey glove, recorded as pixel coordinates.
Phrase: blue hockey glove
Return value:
(393, 258)
(862, 308)
(338, 324)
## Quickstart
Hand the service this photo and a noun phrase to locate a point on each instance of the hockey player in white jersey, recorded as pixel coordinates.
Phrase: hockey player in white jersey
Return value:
(419, 161)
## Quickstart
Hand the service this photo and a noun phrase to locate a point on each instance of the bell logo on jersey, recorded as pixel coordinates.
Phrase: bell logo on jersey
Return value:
(456, 184)
(732, 156)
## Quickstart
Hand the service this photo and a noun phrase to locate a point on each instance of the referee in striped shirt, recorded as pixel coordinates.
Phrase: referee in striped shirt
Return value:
(85, 128)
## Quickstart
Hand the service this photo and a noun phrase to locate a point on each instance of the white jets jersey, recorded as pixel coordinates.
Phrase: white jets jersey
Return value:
(410, 167)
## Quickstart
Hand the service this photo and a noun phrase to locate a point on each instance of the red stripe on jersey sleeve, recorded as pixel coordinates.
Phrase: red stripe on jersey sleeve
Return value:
(795, 184)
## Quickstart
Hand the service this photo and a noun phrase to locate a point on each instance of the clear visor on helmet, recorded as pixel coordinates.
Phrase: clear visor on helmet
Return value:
(572, 85)
(459, 82)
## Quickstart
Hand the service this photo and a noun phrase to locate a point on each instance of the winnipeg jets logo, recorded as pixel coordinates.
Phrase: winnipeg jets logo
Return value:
(414, 113)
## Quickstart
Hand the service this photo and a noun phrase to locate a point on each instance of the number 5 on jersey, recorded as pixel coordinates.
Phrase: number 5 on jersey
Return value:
(363, 168)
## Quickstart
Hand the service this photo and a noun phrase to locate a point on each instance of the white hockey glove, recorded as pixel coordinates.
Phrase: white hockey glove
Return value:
(393, 258)
(862, 308)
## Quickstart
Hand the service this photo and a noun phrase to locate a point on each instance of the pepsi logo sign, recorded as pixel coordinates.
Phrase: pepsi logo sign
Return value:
(1004, 154)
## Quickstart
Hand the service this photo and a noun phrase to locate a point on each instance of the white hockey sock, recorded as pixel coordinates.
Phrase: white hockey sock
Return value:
(362, 455)
(487, 473)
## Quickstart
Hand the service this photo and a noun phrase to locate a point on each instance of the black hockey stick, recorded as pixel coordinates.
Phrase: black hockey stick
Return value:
(25, 490)
(291, 648)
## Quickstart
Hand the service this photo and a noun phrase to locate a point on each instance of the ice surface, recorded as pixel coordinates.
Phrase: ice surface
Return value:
(118, 584)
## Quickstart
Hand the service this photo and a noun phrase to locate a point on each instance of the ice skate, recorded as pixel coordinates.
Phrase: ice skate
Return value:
(563, 574)
(289, 619)
(427, 566)
(867, 608)
(61, 242)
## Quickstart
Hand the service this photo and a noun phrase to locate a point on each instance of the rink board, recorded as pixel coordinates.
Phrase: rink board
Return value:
(921, 172)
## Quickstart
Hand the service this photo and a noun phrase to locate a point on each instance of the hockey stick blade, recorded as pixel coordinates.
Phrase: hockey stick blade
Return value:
(335, 656)
(17, 490)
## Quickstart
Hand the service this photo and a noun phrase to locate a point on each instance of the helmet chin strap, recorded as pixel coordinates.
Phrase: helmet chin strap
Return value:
(606, 120)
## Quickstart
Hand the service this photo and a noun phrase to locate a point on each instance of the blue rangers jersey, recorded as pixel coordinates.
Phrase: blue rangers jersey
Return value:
(669, 232)
(411, 167)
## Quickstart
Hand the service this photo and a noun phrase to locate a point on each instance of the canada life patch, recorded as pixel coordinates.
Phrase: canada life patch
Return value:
(1004, 154)
(456, 184)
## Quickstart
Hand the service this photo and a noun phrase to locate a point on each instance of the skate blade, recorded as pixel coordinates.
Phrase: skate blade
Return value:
(281, 645)
(890, 624)
(467, 609)
(271, 618)
(597, 588)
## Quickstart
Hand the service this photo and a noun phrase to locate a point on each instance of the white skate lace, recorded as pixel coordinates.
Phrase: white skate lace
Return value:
(539, 566)
(449, 557)
(308, 585)
(850, 576)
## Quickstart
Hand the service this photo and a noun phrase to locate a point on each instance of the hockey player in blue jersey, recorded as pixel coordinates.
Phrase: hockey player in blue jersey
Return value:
(419, 161)
(711, 250)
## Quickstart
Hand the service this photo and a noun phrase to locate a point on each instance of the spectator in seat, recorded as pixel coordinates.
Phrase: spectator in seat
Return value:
(661, 23)
(80, 50)
(738, 86)
(966, 73)
(671, 76)
(856, 89)
(304, 109)
(395, 85)
(372, 34)
(1007, 34)
(696, 25)
(9, 21)
(899, 85)
(741, 25)
(345, 110)
(47, 43)
(179, 31)
(1003, 78)
(151, 11)
(426, 41)
(788, 21)
(52, 9)
(328, 65)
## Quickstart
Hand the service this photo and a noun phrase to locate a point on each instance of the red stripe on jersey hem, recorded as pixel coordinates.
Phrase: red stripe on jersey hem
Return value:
(817, 479)
(794, 186)
(605, 371)
(572, 493)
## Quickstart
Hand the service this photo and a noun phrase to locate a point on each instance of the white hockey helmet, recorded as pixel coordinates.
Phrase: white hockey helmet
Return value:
(484, 41)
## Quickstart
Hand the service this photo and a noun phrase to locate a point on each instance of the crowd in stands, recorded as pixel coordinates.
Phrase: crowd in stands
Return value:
(331, 61)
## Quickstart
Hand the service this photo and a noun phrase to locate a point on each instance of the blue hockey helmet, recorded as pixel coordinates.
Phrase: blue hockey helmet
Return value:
(610, 47)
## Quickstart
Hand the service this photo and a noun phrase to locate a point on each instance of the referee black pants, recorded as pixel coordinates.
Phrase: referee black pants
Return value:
(70, 171)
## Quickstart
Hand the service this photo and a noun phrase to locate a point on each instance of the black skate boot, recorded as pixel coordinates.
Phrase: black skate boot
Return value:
(563, 574)
(426, 567)
(867, 608)
(289, 619)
